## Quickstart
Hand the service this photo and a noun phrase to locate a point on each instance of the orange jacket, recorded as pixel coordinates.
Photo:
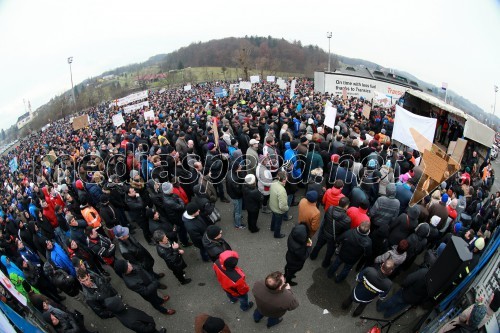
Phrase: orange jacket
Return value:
(91, 216)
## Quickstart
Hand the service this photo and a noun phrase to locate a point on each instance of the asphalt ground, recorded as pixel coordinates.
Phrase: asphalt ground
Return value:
(260, 254)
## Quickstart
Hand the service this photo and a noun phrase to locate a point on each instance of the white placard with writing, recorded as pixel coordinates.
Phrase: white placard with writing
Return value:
(129, 108)
(149, 115)
(187, 88)
(246, 85)
(254, 79)
(270, 78)
(292, 88)
(118, 120)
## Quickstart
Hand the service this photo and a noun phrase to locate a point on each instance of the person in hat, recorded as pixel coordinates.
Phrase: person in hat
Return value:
(173, 207)
(252, 157)
(204, 323)
(133, 251)
(309, 213)
(143, 283)
(181, 145)
(439, 209)
(196, 227)
(253, 202)
(232, 279)
(132, 318)
(63, 322)
(213, 242)
(169, 251)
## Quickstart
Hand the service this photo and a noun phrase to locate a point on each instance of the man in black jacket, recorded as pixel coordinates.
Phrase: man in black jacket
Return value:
(132, 318)
(214, 243)
(355, 244)
(253, 202)
(170, 252)
(137, 213)
(413, 292)
(174, 207)
(140, 281)
(372, 282)
(215, 166)
(196, 227)
(234, 184)
(96, 290)
(134, 252)
(335, 223)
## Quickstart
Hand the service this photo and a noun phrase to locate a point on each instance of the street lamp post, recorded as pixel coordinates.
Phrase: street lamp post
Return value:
(329, 36)
(70, 60)
(495, 103)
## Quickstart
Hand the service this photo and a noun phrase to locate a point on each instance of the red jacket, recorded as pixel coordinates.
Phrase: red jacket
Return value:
(181, 194)
(357, 216)
(232, 281)
(452, 212)
(49, 212)
(332, 197)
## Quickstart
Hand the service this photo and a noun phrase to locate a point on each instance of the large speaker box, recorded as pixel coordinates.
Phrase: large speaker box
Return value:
(448, 266)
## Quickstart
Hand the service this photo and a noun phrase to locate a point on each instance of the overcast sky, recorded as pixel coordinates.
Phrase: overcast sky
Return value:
(452, 41)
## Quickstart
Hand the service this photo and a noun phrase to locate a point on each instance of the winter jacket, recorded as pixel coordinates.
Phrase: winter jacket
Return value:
(214, 247)
(103, 248)
(95, 297)
(155, 196)
(371, 283)
(398, 258)
(298, 251)
(172, 257)
(109, 216)
(273, 303)
(234, 184)
(252, 159)
(135, 208)
(94, 193)
(278, 200)
(415, 287)
(402, 226)
(386, 208)
(332, 197)
(174, 207)
(418, 240)
(309, 213)
(354, 246)
(231, 280)
(252, 198)
(439, 209)
(348, 178)
(91, 216)
(335, 222)
(357, 216)
(130, 317)
(386, 178)
(264, 179)
(403, 195)
(142, 282)
(291, 157)
(60, 259)
(67, 323)
(195, 227)
(134, 252)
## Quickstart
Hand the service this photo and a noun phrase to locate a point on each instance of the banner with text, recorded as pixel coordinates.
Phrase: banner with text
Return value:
(130, 98)
(129, 108)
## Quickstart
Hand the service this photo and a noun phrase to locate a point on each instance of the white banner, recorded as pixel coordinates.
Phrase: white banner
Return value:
(330, 115)
(129, 108)
(149, 115)
(405, 120)
(355, 86)
(270, 78)
(130, 98)
(281, 83)
(292, 88)
(187, 88)
(118, 120)
(246, 85)
(381, 99)
(233, 87)
(10, 287)
(254, 79)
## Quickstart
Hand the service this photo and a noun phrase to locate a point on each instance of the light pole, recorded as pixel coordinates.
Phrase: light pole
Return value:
(495, 103)
(70, 60)
(329, 36)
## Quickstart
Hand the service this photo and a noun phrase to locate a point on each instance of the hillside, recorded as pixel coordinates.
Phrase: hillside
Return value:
(222, 59)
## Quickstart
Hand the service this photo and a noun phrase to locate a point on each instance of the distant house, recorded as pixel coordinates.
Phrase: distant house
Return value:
(25, 119)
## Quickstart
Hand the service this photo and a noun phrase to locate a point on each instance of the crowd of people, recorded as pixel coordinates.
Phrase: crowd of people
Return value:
(70, 210)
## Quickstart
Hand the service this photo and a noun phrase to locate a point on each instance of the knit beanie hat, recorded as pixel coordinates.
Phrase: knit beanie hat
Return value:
(312, 196)
(213, 231)
(192, 208)
(213, 325)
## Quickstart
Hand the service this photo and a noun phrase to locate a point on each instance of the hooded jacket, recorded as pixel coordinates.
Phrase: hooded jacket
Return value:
(402, 226)
(418, 240)
(231, 280)
(385, 208)
(335, 222)
(357, 216)
(354, 246)
(291, 157)
(298, 251)
(49, 211)
(332, 197)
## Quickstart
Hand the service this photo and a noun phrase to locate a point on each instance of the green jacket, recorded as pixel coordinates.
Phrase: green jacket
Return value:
(278, 201)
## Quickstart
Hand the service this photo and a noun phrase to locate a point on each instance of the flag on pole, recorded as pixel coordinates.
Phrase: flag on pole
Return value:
(444, 86)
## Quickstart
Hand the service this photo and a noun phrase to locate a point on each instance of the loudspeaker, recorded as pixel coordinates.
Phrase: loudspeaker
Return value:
(448, 266)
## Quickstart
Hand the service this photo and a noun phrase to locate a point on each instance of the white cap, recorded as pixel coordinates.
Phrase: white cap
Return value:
(254, 142)
(310, 121)
(250, 179)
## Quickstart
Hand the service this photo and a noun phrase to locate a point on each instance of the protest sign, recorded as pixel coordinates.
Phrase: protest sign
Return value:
(149, 115)
(254, 79)
(270, 78)
(80, 122)
(118, 120)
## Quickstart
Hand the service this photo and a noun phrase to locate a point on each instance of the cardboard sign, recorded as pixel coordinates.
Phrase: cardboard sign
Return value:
(366, 111)
(149, 115)
(434, 165)
(458, 152)
(118, 120)
(81, 122)
(330, 115)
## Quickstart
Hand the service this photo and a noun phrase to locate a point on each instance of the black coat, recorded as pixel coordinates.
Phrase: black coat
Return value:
(298, 251)
(354, 246)
(335, 218)
(234, 184)
(174, 207)
(134, 252)
(95, 297)
(135, 209)
(401, 227)
(252, 198)
(196, 228)
(142, 283)
(130, 317)
(172, 257)
(215, 247)
(109, 215)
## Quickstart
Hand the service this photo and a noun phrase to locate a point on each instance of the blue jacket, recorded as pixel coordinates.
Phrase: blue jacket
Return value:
(28, 255)
(60, 259)
(296, 126)
(95, 194)
(291, 155)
